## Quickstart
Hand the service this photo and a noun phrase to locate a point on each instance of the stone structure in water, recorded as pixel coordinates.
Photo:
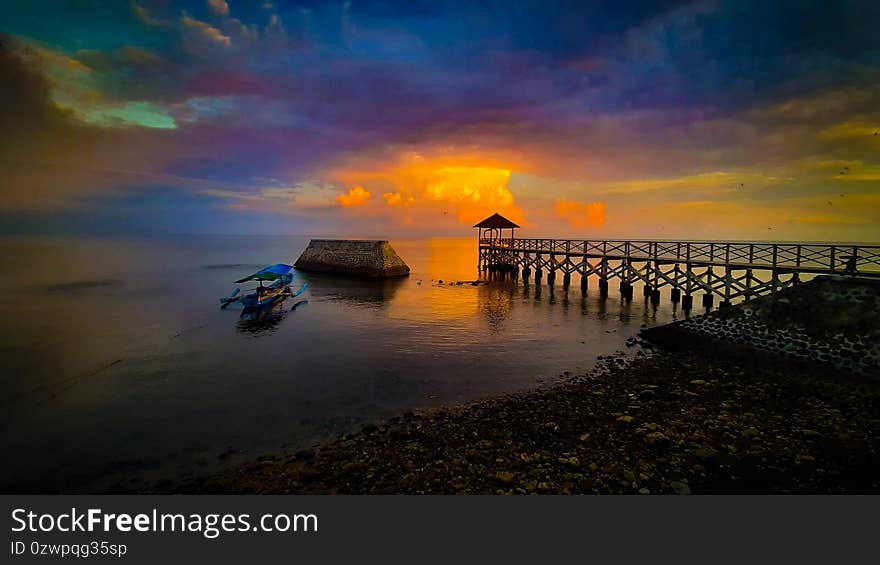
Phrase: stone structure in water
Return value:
(365, 258)
(833, 320)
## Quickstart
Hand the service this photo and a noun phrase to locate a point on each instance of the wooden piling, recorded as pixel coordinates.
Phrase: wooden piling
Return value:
(731, 271)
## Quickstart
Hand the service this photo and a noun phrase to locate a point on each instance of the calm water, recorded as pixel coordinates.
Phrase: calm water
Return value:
(118, 365)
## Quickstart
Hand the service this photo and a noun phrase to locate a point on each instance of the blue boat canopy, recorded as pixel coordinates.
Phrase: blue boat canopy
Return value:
(270, 273)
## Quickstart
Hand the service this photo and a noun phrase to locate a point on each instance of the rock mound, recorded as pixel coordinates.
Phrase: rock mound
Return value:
(365, 258)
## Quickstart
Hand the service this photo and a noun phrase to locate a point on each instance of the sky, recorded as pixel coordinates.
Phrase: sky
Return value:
(700, 120)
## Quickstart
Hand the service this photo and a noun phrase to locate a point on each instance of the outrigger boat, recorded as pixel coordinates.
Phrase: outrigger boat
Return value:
(265, 296)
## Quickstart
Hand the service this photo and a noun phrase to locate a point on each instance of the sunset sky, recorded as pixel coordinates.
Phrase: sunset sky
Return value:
(745, 120)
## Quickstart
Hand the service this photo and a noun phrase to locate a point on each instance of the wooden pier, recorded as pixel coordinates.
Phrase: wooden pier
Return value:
(726, 270)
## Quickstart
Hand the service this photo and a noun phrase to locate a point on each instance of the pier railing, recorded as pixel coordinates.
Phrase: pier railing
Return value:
(727, 269)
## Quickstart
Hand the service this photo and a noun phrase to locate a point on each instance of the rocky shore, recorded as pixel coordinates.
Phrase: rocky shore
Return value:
(828, 320)
(705, 406)
(675, 422)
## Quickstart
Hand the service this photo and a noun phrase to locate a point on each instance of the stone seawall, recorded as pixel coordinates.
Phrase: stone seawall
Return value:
(833, 320)
(366, 258)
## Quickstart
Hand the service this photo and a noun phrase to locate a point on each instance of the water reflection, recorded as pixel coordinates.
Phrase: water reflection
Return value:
(375, 293)
(263, 321)
(158, 373)
(602, 307)
(77, 286)
(496, 304)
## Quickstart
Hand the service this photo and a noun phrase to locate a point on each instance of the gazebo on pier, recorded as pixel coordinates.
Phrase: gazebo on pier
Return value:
(493, 247)
(493, 226)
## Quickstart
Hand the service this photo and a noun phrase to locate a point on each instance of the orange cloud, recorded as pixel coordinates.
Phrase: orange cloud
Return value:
(581, 214)
(393, 198)
(206, 30)
(465, 188)
(355, 196)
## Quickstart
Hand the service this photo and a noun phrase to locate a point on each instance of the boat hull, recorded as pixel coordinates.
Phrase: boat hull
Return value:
(270, 296)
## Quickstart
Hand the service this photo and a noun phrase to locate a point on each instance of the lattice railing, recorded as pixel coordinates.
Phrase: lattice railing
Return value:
(789, 257)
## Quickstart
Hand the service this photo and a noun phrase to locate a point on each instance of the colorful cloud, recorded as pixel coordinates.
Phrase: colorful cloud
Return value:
(205, 30)
(662, 113)
(356, 196)
(454, 186)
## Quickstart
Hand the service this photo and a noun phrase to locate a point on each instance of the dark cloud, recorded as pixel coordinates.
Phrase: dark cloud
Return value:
(569, 90)
(48, 157)
(24, 98)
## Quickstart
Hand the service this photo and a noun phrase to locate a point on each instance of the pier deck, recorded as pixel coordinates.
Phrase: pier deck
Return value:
(729, 270)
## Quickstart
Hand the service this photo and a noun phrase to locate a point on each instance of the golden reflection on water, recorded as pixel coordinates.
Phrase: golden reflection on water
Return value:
(496, 304)
(444, 286)
(435, 290)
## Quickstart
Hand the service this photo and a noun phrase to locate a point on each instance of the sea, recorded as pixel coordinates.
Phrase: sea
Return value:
(121, 372)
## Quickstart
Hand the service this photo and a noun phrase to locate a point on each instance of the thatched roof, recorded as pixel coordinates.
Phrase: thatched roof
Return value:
(367, 258)
(496, 221)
